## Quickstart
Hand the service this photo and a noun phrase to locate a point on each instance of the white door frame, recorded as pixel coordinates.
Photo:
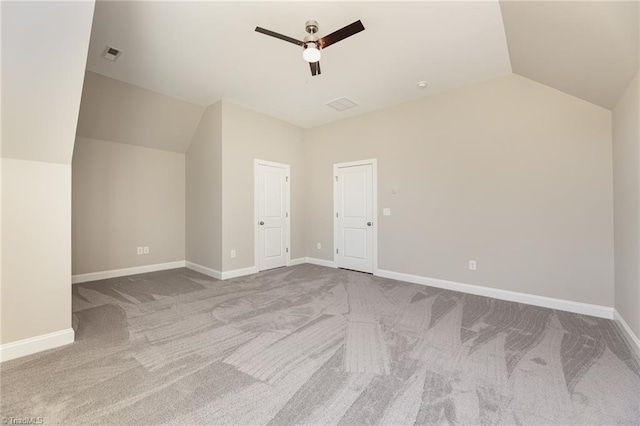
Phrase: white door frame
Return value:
(374, 164)
(256, 214)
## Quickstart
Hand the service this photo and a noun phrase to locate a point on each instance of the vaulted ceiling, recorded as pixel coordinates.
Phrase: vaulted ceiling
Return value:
(588, 49)
(205, 51)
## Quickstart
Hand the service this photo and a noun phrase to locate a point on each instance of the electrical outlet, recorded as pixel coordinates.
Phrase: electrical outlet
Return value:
(139, 250)
(233, 254)
(319, 246)
(473, 265)
(145, 250)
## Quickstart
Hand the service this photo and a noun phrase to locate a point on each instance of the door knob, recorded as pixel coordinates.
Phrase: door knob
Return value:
(261, 222)
(369, 224)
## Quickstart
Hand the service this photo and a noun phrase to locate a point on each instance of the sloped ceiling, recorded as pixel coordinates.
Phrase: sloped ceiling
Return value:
(202, 52)
(41, 83)
(588, 49)
(120, 112)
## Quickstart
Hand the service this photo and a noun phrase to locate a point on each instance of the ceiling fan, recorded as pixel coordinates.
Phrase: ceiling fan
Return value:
(312, 44)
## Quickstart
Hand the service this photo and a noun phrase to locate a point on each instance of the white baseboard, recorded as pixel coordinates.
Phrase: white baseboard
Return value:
(298, 261)
(35, 344)
(204, 270)
(93, 276)
(321, 262)
(512, 296)
(634, 341)
(239, 272)
(530, 299)
(221, 275)
(114, 273)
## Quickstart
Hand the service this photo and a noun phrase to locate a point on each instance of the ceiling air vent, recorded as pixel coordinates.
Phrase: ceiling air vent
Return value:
(111, 53)
(341, 104)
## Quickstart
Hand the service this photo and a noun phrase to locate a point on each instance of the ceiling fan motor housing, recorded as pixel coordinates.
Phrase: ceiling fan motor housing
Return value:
(311, 40)
(311, 27)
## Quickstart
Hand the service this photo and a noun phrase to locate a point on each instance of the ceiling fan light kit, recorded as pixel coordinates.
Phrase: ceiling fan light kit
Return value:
(312, 45)
(311, 53)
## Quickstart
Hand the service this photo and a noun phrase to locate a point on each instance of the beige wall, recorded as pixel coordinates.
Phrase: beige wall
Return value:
(126, 197)
(115, 111)
(510, 173)
(204, 191)
(36, 248)
(41, 90)
(626, 180)
(249, 135)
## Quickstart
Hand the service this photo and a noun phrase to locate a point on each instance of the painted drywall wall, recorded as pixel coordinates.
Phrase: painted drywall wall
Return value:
(249, 135)
(126, 197)
(510, 173)
(204, 191)
(112, 110)
(36, 248)
(41, 90)
(1, 239)
(626, 190)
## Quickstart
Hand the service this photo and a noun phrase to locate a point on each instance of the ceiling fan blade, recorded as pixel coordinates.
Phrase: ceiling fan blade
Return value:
(341, 34)
(315, 68)
(280, 36)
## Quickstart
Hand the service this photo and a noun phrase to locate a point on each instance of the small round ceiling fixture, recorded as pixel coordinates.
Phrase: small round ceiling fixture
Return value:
(421, 84)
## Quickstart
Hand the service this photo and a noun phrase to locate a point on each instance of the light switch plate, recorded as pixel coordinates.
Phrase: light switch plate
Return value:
(386, 211)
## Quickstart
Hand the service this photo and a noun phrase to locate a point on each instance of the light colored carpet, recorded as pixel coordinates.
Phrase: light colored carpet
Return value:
(313, 345)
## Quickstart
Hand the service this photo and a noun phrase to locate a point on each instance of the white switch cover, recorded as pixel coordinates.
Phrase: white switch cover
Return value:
(139, 250)
(146, 250)
(472, 265)
(319, 246)
(386, 211)
(233, 254)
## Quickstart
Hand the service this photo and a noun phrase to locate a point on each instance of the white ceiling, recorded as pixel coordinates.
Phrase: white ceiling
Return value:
(205, 51)
(120, 112)
(587, 49)
(41, 83)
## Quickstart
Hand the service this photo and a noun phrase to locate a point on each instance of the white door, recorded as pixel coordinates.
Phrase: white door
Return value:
(354, 216)
(272, 215)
